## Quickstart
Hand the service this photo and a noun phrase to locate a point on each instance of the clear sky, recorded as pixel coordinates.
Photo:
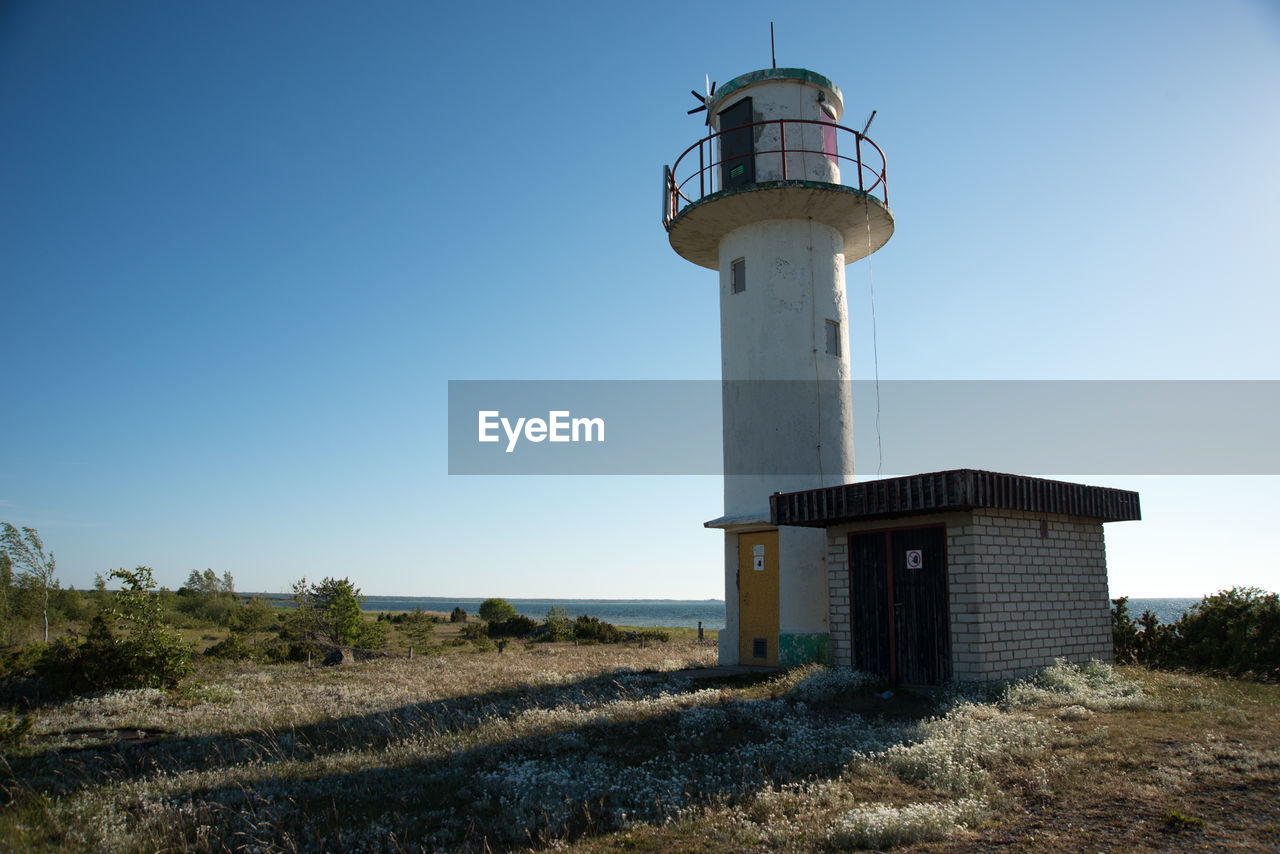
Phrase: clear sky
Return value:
(245, 246)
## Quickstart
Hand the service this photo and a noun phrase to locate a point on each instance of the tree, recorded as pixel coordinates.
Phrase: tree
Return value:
(559, 626)
(418, 627)
(254, 616)
(6, 590)
(128, 646)
(1124, 633)
(207, 583)
(327, 611)
(26, 551)
(154, 654)
(209, 598)
(496, 610)
(339, 603)
(100, 594)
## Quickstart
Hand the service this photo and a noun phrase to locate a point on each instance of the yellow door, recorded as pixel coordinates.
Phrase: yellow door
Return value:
(758, 598)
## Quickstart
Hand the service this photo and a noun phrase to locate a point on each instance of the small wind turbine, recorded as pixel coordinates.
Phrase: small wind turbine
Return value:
(704, 101)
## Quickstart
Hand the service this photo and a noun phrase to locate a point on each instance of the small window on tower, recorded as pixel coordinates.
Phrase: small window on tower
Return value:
(738, 276)
(833, 338)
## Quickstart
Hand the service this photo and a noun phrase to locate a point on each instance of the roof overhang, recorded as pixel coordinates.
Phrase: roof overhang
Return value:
(947, 491)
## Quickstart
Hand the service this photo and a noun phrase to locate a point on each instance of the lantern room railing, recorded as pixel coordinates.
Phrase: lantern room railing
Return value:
(695, 176)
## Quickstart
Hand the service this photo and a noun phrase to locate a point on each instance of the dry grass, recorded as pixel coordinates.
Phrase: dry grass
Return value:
(599, 748)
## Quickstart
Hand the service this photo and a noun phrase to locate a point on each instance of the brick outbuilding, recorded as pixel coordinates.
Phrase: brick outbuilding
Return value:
(963, 575)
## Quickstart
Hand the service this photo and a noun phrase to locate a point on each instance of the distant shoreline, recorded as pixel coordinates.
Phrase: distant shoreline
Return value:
(674, 613)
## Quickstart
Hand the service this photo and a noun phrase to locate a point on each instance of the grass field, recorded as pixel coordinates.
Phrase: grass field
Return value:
(601, 748)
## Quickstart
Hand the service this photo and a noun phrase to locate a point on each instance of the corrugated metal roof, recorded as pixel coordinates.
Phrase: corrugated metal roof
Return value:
(958, 489)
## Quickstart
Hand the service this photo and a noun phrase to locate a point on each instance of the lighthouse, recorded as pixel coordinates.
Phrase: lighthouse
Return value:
(777, 197)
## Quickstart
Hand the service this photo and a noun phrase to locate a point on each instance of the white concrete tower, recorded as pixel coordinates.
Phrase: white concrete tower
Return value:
(779, 197)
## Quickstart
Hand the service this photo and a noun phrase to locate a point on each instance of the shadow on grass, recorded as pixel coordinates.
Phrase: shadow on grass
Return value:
(495, 769)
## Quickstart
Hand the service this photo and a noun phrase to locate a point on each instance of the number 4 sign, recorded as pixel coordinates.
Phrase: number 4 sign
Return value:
(915, 558)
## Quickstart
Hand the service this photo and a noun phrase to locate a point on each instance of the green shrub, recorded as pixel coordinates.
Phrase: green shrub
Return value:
(152, 655)
(127, 647)
(1234, 631)
(517, 626)
(13, 728)
(1177, 821)
(559, 626)
(328, 612)
(142, 656)
(653, 635)
(205, 598)
(69, 604)
(21, 662)
(417, 627)
(254, 615)
(591, 629)
(371, 636)
(1124, 632)
(273, 653)
(458, 615)
(231, 648)
(304, 651)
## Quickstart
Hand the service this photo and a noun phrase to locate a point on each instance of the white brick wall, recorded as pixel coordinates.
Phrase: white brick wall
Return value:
(1017, 600)
(838, 597)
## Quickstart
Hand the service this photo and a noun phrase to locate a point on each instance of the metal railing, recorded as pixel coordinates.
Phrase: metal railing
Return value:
(683, 184)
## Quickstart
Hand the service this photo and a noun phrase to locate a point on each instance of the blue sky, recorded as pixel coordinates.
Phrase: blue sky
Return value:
(244, 247)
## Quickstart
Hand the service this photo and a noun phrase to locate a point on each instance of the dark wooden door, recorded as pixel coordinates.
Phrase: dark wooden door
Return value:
(737, 145)
(921, 624)
(869, 600)
(899, 620)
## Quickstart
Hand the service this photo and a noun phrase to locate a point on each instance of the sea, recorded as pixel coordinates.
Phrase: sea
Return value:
(657, 612)
(1166, 610)
(620, 612)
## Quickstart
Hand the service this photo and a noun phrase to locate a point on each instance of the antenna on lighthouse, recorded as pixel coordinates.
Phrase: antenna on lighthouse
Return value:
(867, 126)
(773, 55)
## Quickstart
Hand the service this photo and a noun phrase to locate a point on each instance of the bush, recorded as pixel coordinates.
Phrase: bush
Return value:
(496, 610)
(458, 615)
(21, 662)
(1234, 631)
(591, 629)
(1143, 642)
(371, 636)
(416, 626)
(274, 653)
(304, 651)
(231, 648)
(146, 655)
(559, 627)
(13, 728)
(205, 598)
(255, 615)
(654, 636)
(149, 654)
(69, 604)
(1124, 632)
(517, 626)
(328, 612)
